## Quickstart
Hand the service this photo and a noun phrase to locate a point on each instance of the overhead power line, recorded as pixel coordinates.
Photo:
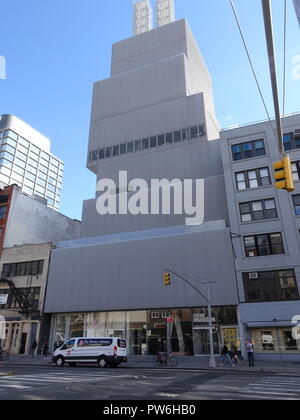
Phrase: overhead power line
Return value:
(251, 65)
(266, 7)
(284, 57)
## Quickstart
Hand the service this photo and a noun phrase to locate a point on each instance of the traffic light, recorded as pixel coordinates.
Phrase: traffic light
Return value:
(167, 279)
(283, 175)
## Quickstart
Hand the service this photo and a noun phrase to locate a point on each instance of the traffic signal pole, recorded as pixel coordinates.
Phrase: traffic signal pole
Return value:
(266, 6)
(283, 170)
(212, 360)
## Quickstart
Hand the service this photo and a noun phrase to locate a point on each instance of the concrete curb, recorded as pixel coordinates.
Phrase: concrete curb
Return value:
(200, 369)
(2, 374)
(29, 365)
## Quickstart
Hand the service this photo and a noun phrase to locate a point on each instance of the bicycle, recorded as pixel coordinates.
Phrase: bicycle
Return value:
(166, 360)
(4, 356)
(235, 361)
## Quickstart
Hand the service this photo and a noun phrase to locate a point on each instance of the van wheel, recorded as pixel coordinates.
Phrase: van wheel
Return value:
(101, 362)
(60, 361)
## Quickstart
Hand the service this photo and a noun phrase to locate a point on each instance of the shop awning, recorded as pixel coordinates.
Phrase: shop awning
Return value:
(270, 324)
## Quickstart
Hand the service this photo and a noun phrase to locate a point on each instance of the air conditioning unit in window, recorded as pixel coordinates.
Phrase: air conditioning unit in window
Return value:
(253, 276)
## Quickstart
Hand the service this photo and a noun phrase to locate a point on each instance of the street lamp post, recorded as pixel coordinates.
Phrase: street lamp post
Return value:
(212, 360)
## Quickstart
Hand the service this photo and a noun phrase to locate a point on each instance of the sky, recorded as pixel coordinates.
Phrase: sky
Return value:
(56, 49)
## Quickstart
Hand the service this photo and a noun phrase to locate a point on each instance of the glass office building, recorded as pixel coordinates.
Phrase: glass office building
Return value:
(28, 162)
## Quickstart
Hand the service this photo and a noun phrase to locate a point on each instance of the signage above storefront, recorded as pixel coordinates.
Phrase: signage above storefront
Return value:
(203, 328)
(160, 325)
(202, 319)
(3, 299)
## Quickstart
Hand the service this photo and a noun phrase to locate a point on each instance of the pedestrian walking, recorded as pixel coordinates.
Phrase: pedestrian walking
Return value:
(234, 355)
(225, 354)
(250, 351)
(57, 344)
(45, 350)
(33, 347)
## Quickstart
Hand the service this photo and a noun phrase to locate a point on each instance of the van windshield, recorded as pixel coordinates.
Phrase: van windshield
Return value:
(69, 344)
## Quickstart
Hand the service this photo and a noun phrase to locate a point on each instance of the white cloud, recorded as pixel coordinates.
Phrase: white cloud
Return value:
(230, 118)
(2, 67)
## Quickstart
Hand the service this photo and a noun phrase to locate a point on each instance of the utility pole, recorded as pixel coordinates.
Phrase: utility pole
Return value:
(266, 6)
(212, 363)
(283, 169)
(167, 282)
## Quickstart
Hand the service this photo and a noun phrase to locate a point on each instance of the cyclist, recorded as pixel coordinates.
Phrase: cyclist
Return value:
(164, 351)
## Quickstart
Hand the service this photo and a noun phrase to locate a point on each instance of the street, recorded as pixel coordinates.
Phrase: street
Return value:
(51, 383)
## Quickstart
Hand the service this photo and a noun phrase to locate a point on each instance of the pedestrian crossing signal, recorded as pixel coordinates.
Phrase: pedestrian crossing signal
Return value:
(167, 279)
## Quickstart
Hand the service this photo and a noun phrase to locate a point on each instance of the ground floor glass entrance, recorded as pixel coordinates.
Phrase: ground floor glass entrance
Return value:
(202, 342)
(186, 330)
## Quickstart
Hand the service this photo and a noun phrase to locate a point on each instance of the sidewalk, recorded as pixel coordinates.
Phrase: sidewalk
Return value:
(194, 363)
(5, 374)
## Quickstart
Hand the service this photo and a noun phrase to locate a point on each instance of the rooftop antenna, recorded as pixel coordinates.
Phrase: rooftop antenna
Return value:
(142, 16)
(165, 12)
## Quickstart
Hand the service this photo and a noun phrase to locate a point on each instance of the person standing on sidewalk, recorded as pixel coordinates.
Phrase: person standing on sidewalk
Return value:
(33, 347)
(250, 351)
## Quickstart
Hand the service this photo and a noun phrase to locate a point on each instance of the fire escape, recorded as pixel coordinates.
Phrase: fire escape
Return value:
(24, 297)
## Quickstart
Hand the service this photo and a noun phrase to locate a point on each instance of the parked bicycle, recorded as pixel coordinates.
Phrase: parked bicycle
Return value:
(4, 356)
(165, 359)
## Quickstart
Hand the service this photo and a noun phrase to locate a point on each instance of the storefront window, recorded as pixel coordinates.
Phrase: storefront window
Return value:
(77, 325)
(290, 342)
(224, 321)
(201, 338)
(60, 330)
(96, 325)
(116, 324)
(231, 337)
(267, 341)
(180, 334)
(275, 340)
(105, 324)
(156, 329)
(173, 325)
(186, 330)
(137, 332)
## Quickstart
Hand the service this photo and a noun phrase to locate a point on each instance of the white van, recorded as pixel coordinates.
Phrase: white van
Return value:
(103, 351)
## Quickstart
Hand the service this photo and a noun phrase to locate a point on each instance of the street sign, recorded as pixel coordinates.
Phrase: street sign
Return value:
(3, 299)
